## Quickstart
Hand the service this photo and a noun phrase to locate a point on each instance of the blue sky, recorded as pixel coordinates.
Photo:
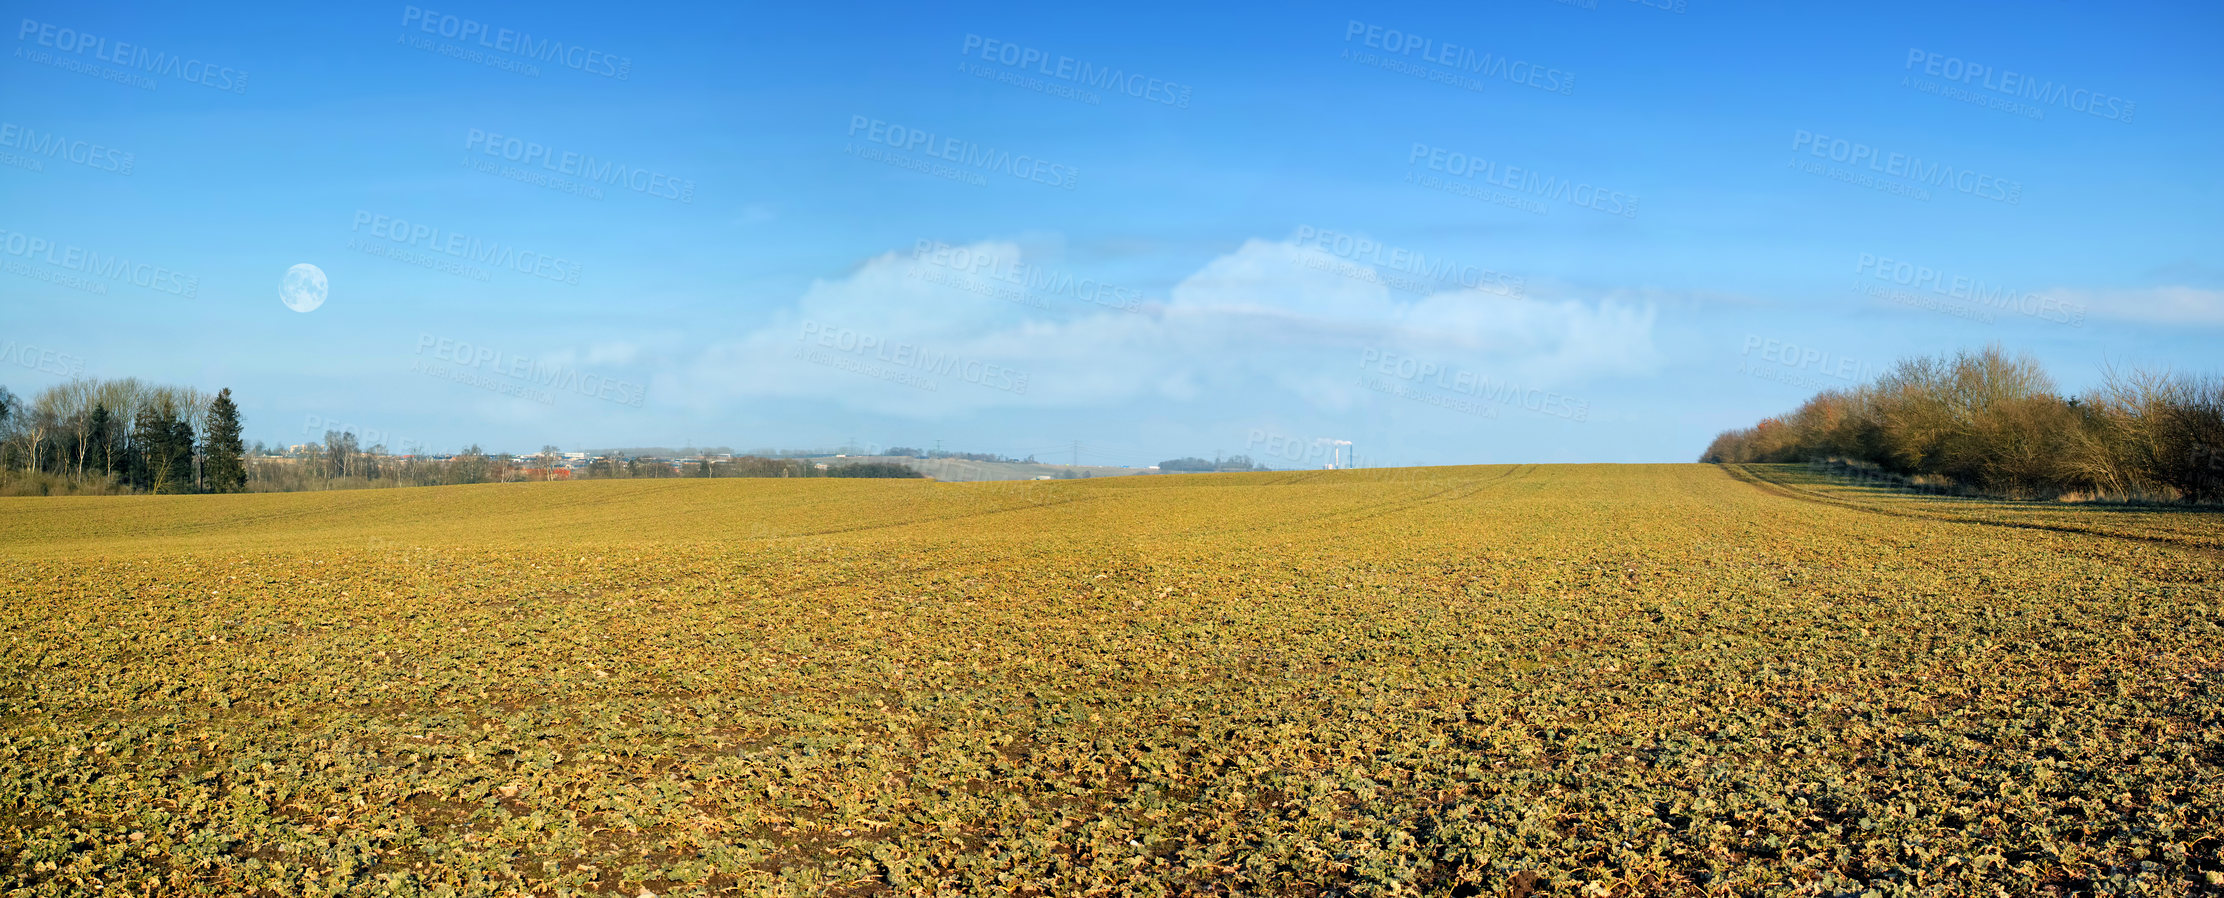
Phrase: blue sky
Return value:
(1536, 231)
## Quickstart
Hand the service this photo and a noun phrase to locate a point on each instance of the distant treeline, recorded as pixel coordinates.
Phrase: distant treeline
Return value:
(909, 452)
(1200, 465)
(91, 436)
(105, 436)
(339, 462)
(745, 466)
(1986, 422)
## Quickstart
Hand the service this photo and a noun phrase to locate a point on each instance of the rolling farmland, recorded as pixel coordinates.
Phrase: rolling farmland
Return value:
(1508, 680)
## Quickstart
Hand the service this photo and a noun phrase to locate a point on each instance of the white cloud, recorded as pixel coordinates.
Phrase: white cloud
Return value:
(1268, 322)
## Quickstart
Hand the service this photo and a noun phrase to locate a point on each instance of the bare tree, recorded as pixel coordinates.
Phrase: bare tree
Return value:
(70, 406)
(36, 424)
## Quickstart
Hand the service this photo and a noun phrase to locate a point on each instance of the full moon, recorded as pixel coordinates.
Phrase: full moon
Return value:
(303, 288)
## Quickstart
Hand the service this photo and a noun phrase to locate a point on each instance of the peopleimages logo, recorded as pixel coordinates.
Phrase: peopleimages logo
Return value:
(1409, 270)
(965, 153)
(518, 43)
(1297, 449)
(1882, 270)
(485, 252)
(1909, 168)
(132, 56)
(1796, 365)
(2020, 86)
(315, 427)
(525, 371)
(584, 167)
(50, 145)
(36, 358)
(1077, 72)
(1456, 58)
(1523, 181)
(93, 264)
(982, 268)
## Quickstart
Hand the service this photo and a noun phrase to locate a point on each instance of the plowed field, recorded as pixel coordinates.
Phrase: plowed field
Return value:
(1580, 680)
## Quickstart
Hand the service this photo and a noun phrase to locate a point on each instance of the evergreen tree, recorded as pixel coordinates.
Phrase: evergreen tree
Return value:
(147, 456)
(161, 452)
(101, 454)
(183, 478)
(226, 473)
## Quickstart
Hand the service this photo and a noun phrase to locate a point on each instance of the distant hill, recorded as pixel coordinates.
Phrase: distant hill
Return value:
(663, 451)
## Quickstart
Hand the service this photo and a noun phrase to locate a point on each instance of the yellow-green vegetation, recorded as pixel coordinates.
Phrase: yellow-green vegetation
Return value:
(1582, 680)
